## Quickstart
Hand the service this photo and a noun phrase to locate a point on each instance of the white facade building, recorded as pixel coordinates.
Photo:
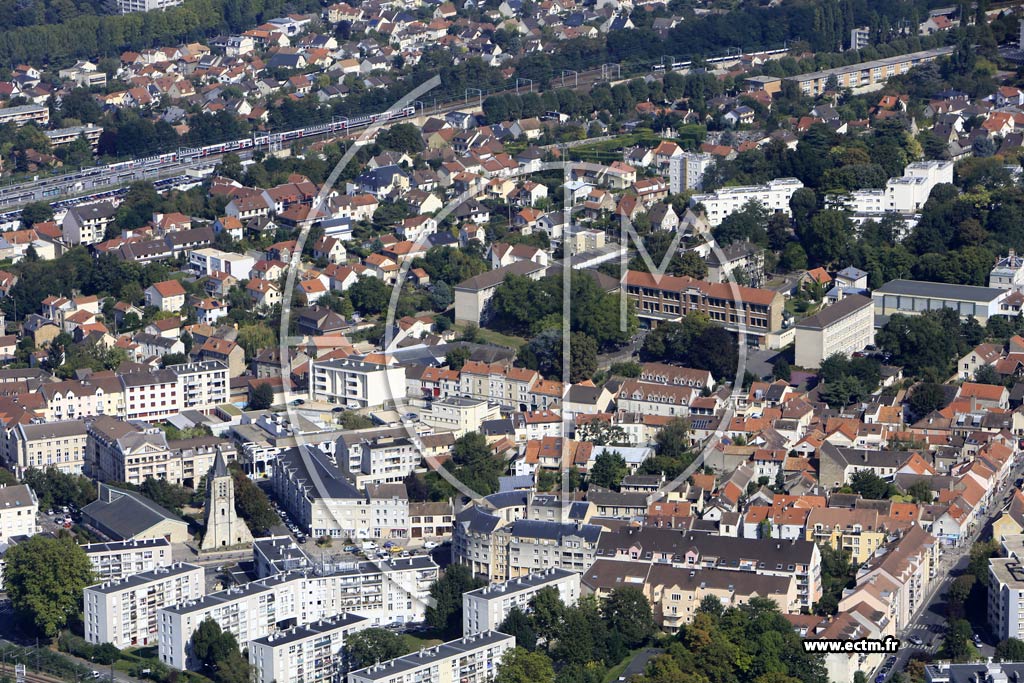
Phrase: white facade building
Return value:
(471, 659)
(1006, 598)
(1008, 273)
(120, 559)
(486, 608)
(389, 592)
(686, 172)
(208, 260)
(124, 612)
(203, 385)
(905, 195)
(355, 383)
(304, 654)
(773, 195)
(18, 510)
(126, 6)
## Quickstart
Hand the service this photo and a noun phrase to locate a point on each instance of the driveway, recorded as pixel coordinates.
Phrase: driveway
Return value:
(638, 664)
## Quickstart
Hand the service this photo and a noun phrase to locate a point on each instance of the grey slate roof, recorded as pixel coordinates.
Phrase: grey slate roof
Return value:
(124, 514)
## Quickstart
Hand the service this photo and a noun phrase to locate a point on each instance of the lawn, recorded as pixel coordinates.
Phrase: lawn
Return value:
(415, 643)
(616, 671)
(610, 150)
(494, 337)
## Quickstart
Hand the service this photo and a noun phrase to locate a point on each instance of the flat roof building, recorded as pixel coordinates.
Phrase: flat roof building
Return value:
(305, 654)
(845, 327)
(123, 612)
(119, 559)
(484, 609)
(471, 659)
(866, 76)
(916, 296)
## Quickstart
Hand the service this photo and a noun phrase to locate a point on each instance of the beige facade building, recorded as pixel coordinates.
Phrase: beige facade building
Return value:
(460, 415)
(60, 445)
(845, 327)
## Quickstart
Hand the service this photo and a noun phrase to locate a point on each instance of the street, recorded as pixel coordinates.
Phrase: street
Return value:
(930, 621)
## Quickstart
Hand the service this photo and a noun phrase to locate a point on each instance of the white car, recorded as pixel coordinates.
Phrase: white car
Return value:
(430, 545)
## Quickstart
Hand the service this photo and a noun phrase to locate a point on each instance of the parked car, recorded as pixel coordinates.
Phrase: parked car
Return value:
(430, 545)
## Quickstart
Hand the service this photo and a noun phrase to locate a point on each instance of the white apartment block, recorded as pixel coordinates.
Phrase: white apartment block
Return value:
(127, 6)
(381, 460)
(486, 608)
(60, 445)
(686, 172)
(123, 612)
(773, 195)
(1006, 597)
(206, 261)
(87, 223)
(202, 386)
(120, 559)
(19, 508)
(24, 113)
(470, 659)
(356, 384)
(391, 592)
(845, 327)
(905, 195)
(305, 654)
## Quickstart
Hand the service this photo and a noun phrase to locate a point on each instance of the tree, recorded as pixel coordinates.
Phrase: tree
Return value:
(166, 494)
(262, 396)
(547, 612)
(44, 578)
(369, 295)
(926, 397)
(402, 137)
(608, 470)
(519, 665)
(870, 485)
(628, 613)
(441, 296)
(517, 624)
(957, 642)
(351, 420)
(255, 338)
(987, 374)
(827, 237)
(921, 491)
(369, 646)
(781, 369)
(211, 645)
(252, 504)
(457, 357)
(1010, 650)
(710, 604)
(36, 212)
(445, 614)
